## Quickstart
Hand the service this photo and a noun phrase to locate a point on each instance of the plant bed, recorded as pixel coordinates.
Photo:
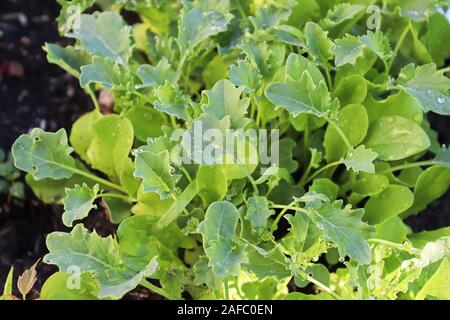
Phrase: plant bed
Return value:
(241, 230)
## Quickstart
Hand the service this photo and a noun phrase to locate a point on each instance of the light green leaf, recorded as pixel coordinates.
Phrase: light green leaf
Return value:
(44, 154)
(96, 255)
(242, 74)
(319, 46)
(347, 50)
(257, 213)
(82, 133)
(395, 138)
(428, 86)
(111, 145)
(68, 58)
(353, 122)
(297, 64)
(443, 157)
(147, 122)
(224, 100)
(220, 222)
(300, 97)
(157, 75)
(394, 200)
(360, 159)
(351, 90)
(56, 287)
(225, 257)
(112, 42)
(212, 183)
(117, 209)
(78, 201)
(345, 229)
(196, 25)
(156, 172)
(171, 101)
(432, 184)
(326, 187)
(378, 43)
(7, 288)
(205, 275)
(104, 72)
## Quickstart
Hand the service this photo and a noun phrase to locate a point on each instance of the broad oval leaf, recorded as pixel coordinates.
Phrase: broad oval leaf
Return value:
(396, 138)
(44, 154)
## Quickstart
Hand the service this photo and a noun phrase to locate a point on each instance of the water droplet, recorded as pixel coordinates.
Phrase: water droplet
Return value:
(441, 100)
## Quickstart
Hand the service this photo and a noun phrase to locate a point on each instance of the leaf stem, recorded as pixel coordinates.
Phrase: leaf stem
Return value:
(157, 290)
(340, 132)
(186, 173)
(114, 195)
(329, 81)
(390, 244)
(278, 218)
(408, 166)
(227, 290)
(93, 177)
(94, 98)
(444, 70)
(320, 285)
(328, 166)
(398, 46)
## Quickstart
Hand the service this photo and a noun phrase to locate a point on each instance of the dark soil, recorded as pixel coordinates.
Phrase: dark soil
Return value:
(34, 93)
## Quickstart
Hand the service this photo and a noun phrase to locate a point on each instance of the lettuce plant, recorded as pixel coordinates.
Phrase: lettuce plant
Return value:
(347, 86)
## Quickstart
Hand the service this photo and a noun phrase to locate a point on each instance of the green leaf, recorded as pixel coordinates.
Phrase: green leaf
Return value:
(432, 184)
(82, 287)
(378, 43)
(443, 157)
(360, 159)
(297, 64)
(147, 122)
(7, 288)
(98, 256)
(112, 42)
(171, 101)
(319, 46)
(220, 222)
(78, 201)
(345, 229)
(68, 58)
(351, 90)
(212, 183)
(155, 171)
(392, 229)
(400, 104)
(225, 257)
(157, 75)
(326, 187)
(353, 122)
(347, 50)
(82, 133)
(341, 13)
(44, 154)
(178, 206)
(197, 25)
(111, 145)
(243, 75)
(204, 274)
(396, 138)
(224, 100)
(258, 213)
(394, 200)
(300, 97)
(428, 86)
(117, 209)
(104, 72)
